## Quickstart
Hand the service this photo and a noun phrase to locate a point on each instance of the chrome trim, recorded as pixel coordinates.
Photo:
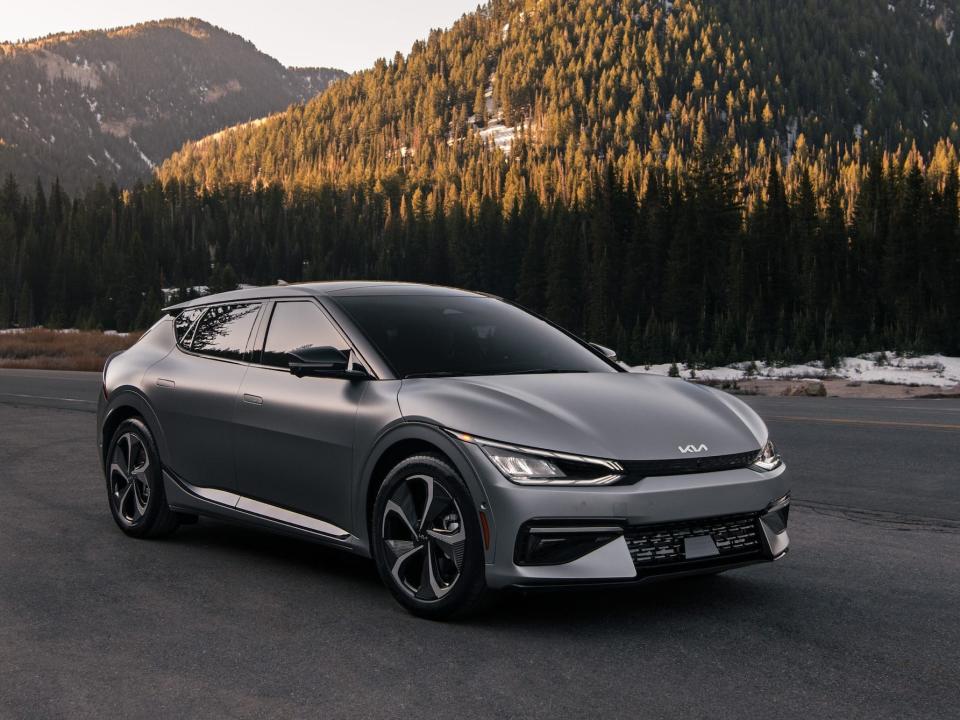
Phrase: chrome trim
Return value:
(221, 497)
(288, 516)
(265, 510)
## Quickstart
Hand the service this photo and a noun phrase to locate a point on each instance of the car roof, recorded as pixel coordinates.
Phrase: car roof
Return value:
(318, 289)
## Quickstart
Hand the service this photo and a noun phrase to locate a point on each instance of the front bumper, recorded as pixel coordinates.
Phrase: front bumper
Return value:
(657, 527)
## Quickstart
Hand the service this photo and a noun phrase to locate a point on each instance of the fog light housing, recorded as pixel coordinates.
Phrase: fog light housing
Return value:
(776, 515)
(555, 545)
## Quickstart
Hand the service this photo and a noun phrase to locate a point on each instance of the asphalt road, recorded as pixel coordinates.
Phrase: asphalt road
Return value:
(859, 621)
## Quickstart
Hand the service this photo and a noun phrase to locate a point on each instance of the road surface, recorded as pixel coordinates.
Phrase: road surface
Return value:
(859, 621)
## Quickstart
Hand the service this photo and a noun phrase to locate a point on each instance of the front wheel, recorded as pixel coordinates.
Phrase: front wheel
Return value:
(426, 539)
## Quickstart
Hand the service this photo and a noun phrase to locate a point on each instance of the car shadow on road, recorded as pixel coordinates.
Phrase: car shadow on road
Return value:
(734, 596)
(277, 550)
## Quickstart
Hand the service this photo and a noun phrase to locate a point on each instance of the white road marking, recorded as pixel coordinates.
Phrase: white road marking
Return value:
(46, 397)
(924, 409)
(857, 421)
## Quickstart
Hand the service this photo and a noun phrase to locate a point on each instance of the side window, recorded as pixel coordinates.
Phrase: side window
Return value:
(296, 326)
(184, 322)
(224, 330)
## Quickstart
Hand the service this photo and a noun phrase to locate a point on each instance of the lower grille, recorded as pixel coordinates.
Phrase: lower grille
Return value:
(662, 546)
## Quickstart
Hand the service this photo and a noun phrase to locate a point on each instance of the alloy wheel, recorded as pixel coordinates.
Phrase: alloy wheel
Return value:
(129, 486)
(424, 537)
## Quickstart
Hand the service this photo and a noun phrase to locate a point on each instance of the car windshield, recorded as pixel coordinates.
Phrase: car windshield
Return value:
(440, 335)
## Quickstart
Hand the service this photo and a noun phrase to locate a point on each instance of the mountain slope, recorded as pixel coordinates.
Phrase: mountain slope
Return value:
(606, 77)
(111, 104)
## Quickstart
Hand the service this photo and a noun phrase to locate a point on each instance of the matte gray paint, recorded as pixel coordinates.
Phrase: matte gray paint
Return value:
(310, 451)
(310, 445)
(197, 414)
(619, 416)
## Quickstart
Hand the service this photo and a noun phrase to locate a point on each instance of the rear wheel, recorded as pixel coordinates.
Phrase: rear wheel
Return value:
(426, 539)
(135, 483)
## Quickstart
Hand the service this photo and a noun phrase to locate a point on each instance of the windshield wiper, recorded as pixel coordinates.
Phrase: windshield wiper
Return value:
(450, 373)
(436, 374)
(539, 371)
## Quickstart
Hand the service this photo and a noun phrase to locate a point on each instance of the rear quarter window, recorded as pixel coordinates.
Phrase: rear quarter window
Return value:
(223, 331)
(183, 323)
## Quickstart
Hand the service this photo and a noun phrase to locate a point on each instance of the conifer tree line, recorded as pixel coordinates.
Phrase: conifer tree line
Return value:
(690, 180)
(699, 266)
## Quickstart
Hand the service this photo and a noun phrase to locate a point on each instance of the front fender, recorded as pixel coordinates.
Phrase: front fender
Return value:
(401, 431)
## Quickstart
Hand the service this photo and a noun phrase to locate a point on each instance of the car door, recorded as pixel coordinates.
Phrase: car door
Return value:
(295, 434)
(194, 393)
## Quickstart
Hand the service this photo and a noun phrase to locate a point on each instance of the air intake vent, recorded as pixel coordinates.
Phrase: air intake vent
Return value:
(662, 547)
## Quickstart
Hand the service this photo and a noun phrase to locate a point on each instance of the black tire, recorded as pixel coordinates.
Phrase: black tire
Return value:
(135, 491)
(440, 590)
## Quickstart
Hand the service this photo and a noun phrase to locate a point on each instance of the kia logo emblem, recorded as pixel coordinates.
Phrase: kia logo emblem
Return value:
(692, 449)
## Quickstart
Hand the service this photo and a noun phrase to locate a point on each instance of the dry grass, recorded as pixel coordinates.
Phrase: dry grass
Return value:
(43, 349)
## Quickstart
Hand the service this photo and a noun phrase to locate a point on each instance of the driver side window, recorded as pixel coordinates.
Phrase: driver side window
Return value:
(297, 326)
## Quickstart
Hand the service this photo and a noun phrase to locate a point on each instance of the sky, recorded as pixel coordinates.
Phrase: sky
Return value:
(347, 34)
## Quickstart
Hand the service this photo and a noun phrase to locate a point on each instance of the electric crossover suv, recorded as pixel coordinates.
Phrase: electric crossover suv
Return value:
(463, 443)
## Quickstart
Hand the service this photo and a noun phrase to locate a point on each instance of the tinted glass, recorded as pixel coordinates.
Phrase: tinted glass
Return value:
(438, 335)
(223, 331)
(296, 326)
(183, 322)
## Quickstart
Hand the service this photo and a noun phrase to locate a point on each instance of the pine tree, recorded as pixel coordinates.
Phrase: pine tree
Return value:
(6, 309)
(24, 312)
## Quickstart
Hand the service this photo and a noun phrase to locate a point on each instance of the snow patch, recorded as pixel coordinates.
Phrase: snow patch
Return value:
(501, 135)
(143, 157)
(110, 158)
(61, 331)
(937, 370)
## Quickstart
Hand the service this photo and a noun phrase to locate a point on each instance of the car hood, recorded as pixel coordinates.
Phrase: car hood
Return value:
(622, 416)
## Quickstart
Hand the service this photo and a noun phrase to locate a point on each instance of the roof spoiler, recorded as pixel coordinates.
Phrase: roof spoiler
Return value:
(175, 309)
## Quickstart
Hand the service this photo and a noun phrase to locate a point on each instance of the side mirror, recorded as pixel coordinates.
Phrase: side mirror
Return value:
(323, 362)
(609, 354)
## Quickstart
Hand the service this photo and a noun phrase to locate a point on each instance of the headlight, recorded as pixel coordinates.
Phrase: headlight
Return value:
(528, 466)
(522, 467)
(768, 459)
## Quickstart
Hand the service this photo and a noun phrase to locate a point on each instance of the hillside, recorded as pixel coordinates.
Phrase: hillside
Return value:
(703, 180)
(111, 104)
(614, 77)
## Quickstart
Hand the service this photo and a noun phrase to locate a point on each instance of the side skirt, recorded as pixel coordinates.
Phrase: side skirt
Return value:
(226, 505)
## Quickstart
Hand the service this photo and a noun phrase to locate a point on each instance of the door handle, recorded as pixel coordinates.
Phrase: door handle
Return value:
(163, 382)
(252, 399)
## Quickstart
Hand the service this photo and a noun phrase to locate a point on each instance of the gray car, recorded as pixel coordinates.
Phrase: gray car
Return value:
(463, 443)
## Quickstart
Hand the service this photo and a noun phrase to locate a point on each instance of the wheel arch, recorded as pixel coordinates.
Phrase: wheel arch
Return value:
(401, 442)
(125, 404)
